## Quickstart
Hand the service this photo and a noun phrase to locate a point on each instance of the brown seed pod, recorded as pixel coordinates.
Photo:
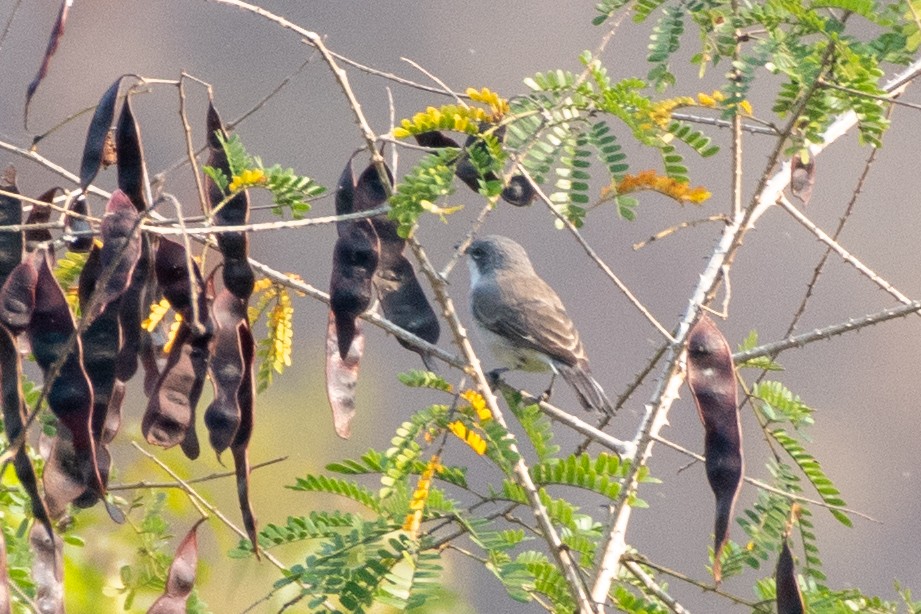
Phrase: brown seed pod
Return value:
(175, 281)
(355, 259)
(97, 134)
(53, 40)
(132, 174)
(239, 448)
(170, 415)
(789, 598)
(711, 377)
(17, 295)
(181, 576)
(342, 377)
(227, 369)
(81, 239)
(14, 420)
(802, 177)
(40, 214)
(238, 275)
(132, 310)
(11, 243)
(70, 396)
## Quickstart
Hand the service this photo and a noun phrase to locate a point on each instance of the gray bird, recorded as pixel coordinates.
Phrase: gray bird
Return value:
(523, 321)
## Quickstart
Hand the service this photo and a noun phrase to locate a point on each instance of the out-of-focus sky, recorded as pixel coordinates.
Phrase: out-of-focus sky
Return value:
(865, 386)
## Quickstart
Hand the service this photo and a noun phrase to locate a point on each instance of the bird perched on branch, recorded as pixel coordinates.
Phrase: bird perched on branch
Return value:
(523, 321)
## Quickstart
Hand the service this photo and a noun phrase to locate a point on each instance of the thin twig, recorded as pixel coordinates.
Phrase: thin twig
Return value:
(673, 229)
(640, 574)
(207, 478)
(190, 149)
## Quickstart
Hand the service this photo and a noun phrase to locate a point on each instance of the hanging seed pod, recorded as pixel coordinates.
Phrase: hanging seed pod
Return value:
(355, 259)
(53, 40)
(132, 174)
(789, 597)
(132, 311)
(40, 214)
(227, 369)
(802, 177)
(17, 295)
(121, 249)
(94, 147)
(14, 420)
(711, 377)
(238, 275)
(239, 448)
(342, 377)
(181, 576)
(80, 233)
(70, 396)
(47, 571)
(176, 282)
(170, 415)
(11, 243)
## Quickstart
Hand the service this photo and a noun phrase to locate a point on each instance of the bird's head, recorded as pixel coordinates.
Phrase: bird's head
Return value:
(494, 253)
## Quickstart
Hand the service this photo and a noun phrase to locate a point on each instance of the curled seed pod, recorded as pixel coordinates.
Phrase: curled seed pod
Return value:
(802, 177)
(132, 174)
(96, 136)
(47, 571)
(789, 597)
(17, 296)
(170, 414)
(342, 377)
(56, 33)
(227, 371)
(181, 576)
(239, 448)
(40, 214)
(355, 259)
(80, 233)
(711, 377)
(519, 191)
(11, 243)
(14, 420)
(238, 275)
(52, 334)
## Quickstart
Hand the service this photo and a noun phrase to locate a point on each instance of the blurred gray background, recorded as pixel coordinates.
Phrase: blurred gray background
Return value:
(864, 386)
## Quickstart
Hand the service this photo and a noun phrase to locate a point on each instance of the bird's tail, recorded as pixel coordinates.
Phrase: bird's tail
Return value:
(590, 392)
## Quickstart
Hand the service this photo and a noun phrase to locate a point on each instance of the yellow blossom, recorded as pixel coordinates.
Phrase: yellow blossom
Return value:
(249, 177)
(157, 312)
(746, 107)
(478, 404)
(471, 438)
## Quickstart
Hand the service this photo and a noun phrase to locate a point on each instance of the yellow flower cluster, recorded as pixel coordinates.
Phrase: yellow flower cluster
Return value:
(420, 496)
(156, 315)
(496, 104)
(711, 100)
(246, 179)
(468, 436)
(447, 117)
(478, 404)
(650, 180)
(171, 335)
(661, 112)
(279, 323)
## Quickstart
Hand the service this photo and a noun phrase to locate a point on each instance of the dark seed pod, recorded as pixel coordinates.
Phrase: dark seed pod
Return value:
(518, 192)
(40, 214)
(11, 243)
(238, 275)
(180, 579)
(56, 33)
(342, 377)
(711, 377)
(132, 311)
(52, 334)
(789, 598)
(81, 239)
(170, 414)
(175, 279)
(132, 174)
(17, 295)
(227, 370)
(97, 134)
(239, 448)
(355, 259)
(14, 420)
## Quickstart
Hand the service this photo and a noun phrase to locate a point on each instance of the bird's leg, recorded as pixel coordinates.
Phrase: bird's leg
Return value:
(493, 377)
(545, 397)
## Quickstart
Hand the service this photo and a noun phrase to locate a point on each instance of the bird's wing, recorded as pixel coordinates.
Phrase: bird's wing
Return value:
(528, 313)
